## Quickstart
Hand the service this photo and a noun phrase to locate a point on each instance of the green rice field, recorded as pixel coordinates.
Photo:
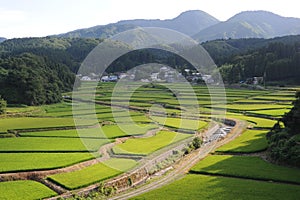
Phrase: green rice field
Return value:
(145, 146)
(24, 190)
(34, 138)
(195, 186)
(246, 167)
(13, 162)
(93, 174)
(249, 141)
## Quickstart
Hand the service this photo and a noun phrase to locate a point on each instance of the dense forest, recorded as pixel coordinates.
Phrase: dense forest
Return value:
(277, 59)
(36, 71)
(284, 141)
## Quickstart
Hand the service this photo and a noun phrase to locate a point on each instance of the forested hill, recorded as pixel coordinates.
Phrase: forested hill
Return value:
(222, 50)
(277, 59)
(36, 71)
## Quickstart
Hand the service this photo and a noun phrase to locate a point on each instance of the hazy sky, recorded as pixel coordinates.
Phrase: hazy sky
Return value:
(25, 18)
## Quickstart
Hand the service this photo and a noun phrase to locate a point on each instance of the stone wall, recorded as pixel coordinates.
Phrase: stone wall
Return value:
(128, 180)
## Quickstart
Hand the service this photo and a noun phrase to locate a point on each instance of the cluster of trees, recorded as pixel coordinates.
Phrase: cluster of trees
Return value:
(284, 143)
(195, 144)
(36, 71)
(33, 80)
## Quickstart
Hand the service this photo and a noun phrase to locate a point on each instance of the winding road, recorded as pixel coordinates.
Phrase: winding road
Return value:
(183, 166)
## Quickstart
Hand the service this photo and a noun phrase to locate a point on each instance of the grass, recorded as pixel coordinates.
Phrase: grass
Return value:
(12, 162)
(24, 190)
(180, 123)
(93, 174)
(36, 122)
(42, 144)
(145, 146)
(249, 141)
(219, 188)
(246, 167)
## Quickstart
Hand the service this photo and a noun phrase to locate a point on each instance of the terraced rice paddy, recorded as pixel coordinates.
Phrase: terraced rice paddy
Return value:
(145, 146)
(249, 141)
(246, 167)
(93, 174)
(178, 123)
(36, 122)
(49, 140)
(13, 162)
(24, 190)
(218, 188)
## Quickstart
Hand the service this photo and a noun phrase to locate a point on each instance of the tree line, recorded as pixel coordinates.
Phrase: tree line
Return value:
(284, 141)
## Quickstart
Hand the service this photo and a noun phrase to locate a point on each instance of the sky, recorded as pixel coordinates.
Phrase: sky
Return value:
(37, 18)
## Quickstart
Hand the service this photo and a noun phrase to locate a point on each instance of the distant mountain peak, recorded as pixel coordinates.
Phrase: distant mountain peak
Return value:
(193, 13)
(189, 22)
(251, 24)
(254, 15)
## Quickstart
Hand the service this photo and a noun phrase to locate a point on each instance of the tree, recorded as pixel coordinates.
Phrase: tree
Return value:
(2, 106)
(197, 142)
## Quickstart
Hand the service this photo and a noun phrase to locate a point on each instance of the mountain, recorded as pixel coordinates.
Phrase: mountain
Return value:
(251, 24)
(100, 31)
(189, 22)
(2, 39)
